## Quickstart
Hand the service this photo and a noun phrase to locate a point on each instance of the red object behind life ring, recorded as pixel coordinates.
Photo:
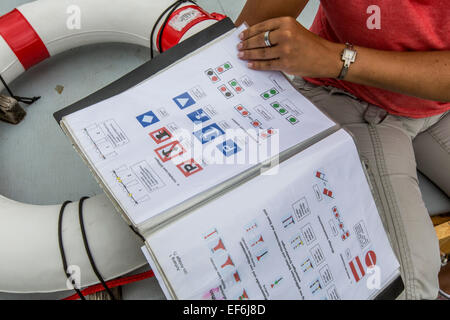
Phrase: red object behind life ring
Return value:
(180, 21)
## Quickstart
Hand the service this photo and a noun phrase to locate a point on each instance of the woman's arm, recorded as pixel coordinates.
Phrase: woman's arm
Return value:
(424, 75)
(299, 52)
(256, 11)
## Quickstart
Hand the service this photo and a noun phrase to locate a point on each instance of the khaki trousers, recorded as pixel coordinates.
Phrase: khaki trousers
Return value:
(389, 147)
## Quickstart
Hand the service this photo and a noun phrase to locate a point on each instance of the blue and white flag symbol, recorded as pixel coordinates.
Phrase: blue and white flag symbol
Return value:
(184, 100)
(198, 116)
(147, 119)
(209, 133)
(228, 148)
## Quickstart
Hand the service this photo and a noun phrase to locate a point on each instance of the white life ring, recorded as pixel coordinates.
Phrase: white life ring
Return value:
(29, 251)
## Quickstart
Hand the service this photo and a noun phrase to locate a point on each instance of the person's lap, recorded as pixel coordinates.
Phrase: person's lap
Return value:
(435, 142)
(385, 145)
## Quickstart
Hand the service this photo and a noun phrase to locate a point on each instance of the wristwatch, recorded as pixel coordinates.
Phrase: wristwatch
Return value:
(348, 56)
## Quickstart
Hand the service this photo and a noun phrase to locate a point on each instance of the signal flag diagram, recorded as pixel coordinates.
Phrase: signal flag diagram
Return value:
(170, 151)
(280, 109)
(218, 246)
(243, 296)
(243, 111)
(276, 282)
(210, 234)
(261, 255)
(224, 67)
(323, 190)
(292, 119)
(147, 119)
(184, 100)
(160, 135)
(236, 86)
(358, 269)
(223, 262)
(209, 133)
(225, 91)
(228, 148)
(212, 75)
(228, 262)
(371, 258)
(251, 227)
(321, 176)
(189, 167)
(296, 242)
(315, 286)
(269, 93)
(257, 241)
(256, 123)
(328, 193)
(307, 265)
(344, 232)
(288, 221)
(198, 116)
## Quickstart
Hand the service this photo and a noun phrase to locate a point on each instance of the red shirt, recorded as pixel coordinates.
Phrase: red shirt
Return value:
(394, 25)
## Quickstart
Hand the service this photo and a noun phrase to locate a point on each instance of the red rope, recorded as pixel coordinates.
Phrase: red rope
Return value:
(113, 283)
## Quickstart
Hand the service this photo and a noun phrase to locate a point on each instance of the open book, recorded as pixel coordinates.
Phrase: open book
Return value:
(241, 187)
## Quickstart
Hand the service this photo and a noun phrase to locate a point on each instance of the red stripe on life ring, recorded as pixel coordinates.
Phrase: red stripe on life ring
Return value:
(22, 39)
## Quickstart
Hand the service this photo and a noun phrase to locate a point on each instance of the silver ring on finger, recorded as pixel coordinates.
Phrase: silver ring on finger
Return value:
(266, 39)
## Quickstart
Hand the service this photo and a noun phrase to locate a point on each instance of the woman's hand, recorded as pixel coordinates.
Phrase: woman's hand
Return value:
(295, 50)
(300, 52)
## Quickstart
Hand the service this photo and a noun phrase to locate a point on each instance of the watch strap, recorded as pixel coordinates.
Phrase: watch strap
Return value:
(347, 63)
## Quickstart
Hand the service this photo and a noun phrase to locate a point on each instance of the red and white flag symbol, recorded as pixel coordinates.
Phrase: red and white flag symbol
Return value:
(371, 258)
(170, 151)
(328, 192)
(320, 175)
(189, 167)
(357, 269)
(160, 135)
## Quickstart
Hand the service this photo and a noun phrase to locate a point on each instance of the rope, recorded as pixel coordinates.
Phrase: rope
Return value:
(18, 98)
(88, 250)
(61, 249)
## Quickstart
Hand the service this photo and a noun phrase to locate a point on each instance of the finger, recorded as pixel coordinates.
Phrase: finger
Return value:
(268, 25)
(265, 65)
(258, 41)
(260, 54)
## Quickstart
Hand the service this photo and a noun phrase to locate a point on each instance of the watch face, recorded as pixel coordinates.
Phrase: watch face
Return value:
(349, 55)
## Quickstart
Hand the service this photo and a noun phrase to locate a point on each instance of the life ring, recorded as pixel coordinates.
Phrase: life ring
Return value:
(29, 251)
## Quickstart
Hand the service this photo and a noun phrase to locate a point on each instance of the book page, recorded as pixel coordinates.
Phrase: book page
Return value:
(155, 271)
(312, 231)
(200, 122)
